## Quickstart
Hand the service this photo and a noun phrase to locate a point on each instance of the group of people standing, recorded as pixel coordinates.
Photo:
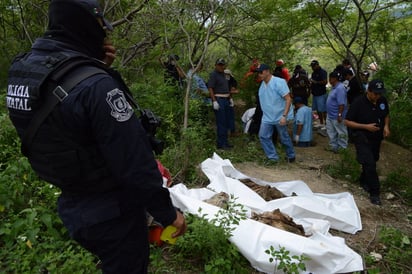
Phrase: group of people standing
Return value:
(354, 109)
(347, 112)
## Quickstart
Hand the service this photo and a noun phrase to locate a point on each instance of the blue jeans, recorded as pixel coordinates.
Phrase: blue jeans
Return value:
(222, 121)
(319, 103)
(338, 134)
(232, 119)
(265, 136)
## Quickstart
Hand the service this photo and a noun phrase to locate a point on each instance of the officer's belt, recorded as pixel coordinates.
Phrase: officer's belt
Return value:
(222, 95)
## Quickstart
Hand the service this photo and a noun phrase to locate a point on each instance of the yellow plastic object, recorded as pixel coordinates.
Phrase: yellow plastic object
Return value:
(166, 235)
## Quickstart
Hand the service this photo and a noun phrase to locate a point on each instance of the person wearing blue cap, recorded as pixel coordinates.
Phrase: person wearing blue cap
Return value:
(336, 106)
(368, 118)
(275, 102)
(302, 126)
(84, 137)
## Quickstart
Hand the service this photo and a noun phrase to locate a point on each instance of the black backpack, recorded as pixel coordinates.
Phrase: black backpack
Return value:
(60, 74)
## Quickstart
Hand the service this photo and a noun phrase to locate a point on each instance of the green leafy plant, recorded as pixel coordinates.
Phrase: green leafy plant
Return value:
(399, 182)
(398, 250)
(401, 124)
(207, 241)
(346, 168)
(285, 262)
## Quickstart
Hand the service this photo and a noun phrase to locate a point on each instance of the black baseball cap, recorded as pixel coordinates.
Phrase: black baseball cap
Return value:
(376, 86)
(314, 63)
(334, 74)
(297, 100)
(347, 72)
(92, 6)
(220, 61)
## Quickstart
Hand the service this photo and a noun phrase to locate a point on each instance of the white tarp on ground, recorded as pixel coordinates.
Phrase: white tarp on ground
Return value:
(315, 212)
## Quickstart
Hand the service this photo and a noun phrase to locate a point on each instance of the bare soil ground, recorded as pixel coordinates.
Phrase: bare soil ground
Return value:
(309, 167)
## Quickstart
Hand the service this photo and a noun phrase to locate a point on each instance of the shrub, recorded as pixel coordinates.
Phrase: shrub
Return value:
(397, 252)
(399, 182)
(347, 168)
(207, 241)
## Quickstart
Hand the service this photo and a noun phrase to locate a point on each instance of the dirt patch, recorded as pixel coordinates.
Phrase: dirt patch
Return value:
(309, 167)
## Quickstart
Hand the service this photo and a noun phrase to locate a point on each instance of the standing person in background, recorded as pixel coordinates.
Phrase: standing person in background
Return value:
(200, 92)
(251, 72)
(275, 102)
(340, 69)
(173, 74)
(368, 118)
(281, 71)
(347, 65)
(354, 88)
(219, 91)
(300, 84)
(302, 126)
(199, 88)
(364, 80)
(233, 90)
(318, 81)
(336, 106)
(90, 143)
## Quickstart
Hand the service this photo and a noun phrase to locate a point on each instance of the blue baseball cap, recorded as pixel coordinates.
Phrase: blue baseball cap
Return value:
(262, 67)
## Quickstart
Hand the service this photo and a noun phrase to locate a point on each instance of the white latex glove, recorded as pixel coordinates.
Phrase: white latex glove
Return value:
(216, 105)
(296, 139)
(231, 103)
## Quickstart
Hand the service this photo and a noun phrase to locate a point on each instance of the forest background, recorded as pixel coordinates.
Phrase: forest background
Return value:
(145, 31)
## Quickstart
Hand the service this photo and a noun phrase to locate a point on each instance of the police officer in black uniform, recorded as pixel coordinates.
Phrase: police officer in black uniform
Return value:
(92, 145)
(368, 117)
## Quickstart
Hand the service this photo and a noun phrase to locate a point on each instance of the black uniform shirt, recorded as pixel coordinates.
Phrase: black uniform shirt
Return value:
(98, 109)
(364, 112)
(319, 75)
(96, 113)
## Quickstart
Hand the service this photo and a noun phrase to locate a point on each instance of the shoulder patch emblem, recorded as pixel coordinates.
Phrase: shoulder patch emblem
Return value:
(120, 108)
(382, 106)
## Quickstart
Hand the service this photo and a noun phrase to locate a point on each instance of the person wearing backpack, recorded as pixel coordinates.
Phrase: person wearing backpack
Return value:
(89, 142)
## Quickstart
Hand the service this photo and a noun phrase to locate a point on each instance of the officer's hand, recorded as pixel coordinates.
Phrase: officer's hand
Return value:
(180, 224)
(386, 131)
(110, 52)
(216, 105)
(372, 127)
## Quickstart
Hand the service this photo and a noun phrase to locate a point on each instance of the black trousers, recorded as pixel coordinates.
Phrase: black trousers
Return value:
(121, 243)
(367, 154)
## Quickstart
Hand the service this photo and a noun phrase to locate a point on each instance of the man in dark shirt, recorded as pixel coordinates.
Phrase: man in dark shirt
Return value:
(368, 117)
(299, 84)
(354, 87)
(173, 74)
(92, 145)
(219, 91)
(318, 81)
